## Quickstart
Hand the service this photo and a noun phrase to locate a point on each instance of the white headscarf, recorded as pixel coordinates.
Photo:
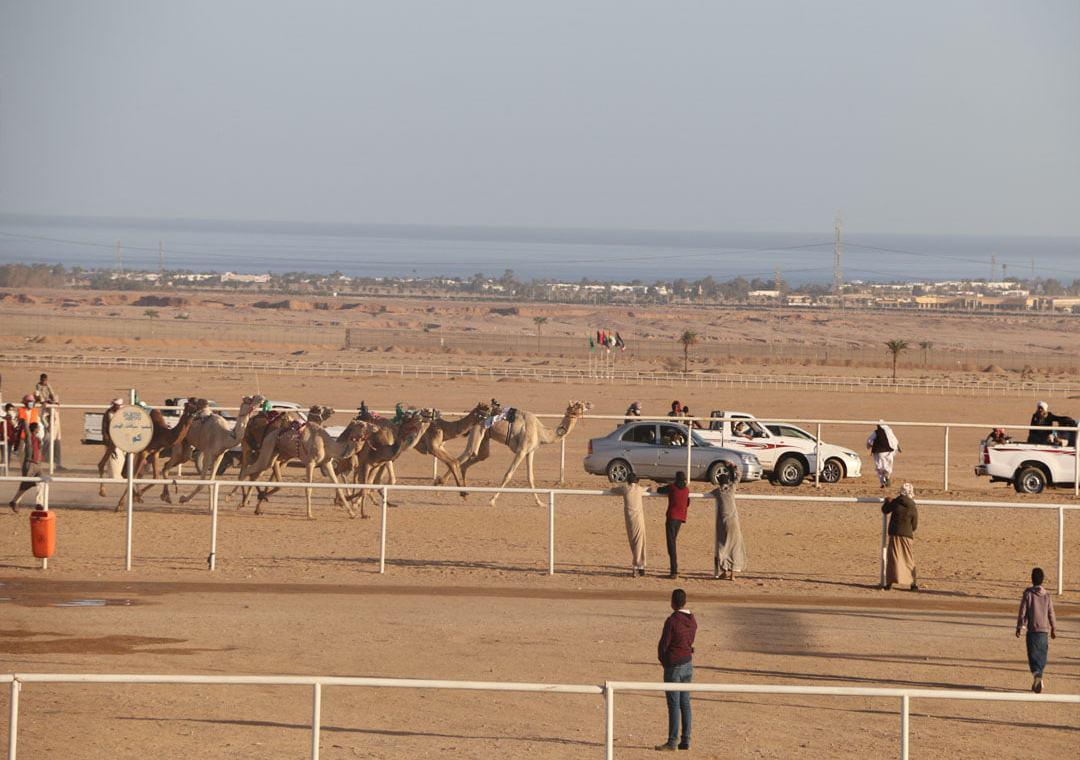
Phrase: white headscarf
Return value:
(907, 490)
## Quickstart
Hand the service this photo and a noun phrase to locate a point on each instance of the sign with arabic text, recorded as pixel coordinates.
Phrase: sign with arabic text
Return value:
(131, 429)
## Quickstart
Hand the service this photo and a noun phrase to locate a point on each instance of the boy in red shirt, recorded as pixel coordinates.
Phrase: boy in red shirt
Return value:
(678, 499)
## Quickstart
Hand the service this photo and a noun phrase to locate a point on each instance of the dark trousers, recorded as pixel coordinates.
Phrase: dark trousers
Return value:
(678, 702)
(1037, 646)
(29, 470)
(671, 527)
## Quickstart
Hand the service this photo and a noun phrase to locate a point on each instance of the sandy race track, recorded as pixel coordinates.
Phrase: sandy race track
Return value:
(466, 596)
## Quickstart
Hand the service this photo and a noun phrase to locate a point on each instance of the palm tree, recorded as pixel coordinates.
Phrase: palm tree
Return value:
(538, 321)
(925, 345)
(895, 346)
(688, 338)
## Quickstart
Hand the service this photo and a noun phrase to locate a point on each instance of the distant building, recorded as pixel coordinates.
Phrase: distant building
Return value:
(255, 279)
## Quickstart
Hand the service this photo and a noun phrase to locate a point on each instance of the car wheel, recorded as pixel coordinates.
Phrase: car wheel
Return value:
(789, 471)
(715, 469)
(1030, 480)
(618, 470)
(832, 471)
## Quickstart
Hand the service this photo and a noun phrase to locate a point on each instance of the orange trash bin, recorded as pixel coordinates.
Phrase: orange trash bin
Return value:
(43, 533)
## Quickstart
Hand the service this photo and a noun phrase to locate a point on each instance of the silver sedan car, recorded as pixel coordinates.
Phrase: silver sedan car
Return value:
(657, 450)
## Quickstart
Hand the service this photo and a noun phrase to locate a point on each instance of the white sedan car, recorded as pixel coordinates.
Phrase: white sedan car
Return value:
(838, 462)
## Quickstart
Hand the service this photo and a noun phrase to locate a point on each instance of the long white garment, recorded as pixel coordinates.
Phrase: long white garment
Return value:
(883, 463)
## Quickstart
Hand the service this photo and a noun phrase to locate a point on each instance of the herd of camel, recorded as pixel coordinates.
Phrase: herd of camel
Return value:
(364, 451)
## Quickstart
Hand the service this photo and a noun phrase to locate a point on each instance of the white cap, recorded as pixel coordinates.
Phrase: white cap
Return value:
(1044, 405)
(118, 402)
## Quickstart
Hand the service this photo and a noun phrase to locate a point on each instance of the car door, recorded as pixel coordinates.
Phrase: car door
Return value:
(638, 447)
(672, 451)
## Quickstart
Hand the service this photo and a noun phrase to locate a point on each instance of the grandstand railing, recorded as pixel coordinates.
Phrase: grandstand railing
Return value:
(18, 681)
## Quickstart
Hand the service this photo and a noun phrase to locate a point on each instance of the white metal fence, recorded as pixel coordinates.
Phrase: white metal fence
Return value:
(17, 681)
(947, 386)
(214, 487)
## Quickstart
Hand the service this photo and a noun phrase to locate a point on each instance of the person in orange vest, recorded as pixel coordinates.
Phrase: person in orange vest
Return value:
(31, 466)
(29, 413)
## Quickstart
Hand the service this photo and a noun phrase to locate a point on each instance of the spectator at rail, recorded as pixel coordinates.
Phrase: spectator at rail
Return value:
(903, 522)
(44, 392)
(997, 437)
(676, 653)
(678, 499)
(29, 412)
(676, 409)
(31, 464)
(11, 427)
(632, 411)
(692, 423)
(111, 463)
(634, 513)
(883, 446)
(1037, 616)
(1043, 418)
(730, 554)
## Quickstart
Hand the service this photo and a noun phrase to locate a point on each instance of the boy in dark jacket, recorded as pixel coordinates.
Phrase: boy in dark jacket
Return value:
(675, 652)
(1037, 615)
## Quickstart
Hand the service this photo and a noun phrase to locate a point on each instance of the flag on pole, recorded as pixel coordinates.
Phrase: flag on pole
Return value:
(592, 344)
(620, 342)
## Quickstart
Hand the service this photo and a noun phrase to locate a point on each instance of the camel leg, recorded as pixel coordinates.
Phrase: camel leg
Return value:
(102, 464)
(519, 457)
(140, 460)
(262, 494)
(532, 481)
(178, 458)
(466, 460)
(328, 470)
(452, 467)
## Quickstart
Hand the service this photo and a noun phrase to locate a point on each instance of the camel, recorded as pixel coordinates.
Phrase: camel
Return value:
(431, 444)
(164, 437)
(388, 442)
(260, 426)
(314, 447)
(211, 437)
(524, 436)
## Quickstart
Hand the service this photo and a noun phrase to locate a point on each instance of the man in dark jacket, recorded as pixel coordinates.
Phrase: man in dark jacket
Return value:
(676, 652)
(1042, 417)
(903, 522)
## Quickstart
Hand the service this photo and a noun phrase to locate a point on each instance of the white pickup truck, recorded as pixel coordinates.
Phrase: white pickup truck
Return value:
(1029, 467)
(787, 451)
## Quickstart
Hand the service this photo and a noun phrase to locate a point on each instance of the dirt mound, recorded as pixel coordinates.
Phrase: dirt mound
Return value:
(17, 298)
(174, 301)
(508, 311)
(994, 369)
(289, 304)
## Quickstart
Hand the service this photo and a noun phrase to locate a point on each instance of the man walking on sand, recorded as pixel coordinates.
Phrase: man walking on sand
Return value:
(883, 445)
(1037, 615)
(634, 512)
(676, 653)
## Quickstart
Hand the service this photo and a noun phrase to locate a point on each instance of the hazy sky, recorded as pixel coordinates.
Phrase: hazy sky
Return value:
(933, 117)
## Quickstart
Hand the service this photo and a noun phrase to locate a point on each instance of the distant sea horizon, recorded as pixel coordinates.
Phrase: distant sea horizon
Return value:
(569, 254)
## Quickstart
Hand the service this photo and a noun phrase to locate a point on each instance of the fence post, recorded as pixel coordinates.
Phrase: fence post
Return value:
(609, 722)
(1061, 549)
(562, 460)
(884, 545)
(382, 534)
(1076, 462)
(904, 707)
(45, 506)
(316, 719)
(130, 509)
(689, 435)
(52, 439)
(4, 429)
(551, 533)
(13, 718)
(946, 457)
(434, 469)
(211, 561)
(817, 458)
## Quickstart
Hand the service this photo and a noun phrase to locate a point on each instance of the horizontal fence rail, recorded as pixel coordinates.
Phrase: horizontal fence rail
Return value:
(385, 489)
(17, 681)
(595, 374)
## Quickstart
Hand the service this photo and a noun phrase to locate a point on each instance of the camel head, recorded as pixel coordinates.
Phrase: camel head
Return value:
(574, 411)
(202, 407)
(320, 413)
(191, 406)
(249, 405)
(481, 411)
(358, 431)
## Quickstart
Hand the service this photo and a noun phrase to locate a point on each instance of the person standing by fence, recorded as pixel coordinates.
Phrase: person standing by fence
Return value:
(678, 500)
(883, 446)
(730, 555)
(634, 513)
(1037, 615)
(676, 654)
(31, 465)
(903, 522)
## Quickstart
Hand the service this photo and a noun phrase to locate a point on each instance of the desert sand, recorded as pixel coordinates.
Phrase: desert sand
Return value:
(466, 595)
